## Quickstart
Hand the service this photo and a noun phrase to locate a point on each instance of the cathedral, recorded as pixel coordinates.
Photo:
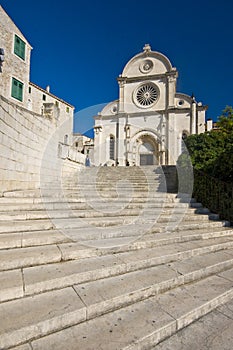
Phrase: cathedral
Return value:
(149, 121)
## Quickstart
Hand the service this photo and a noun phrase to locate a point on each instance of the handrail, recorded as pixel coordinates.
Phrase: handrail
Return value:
(214, 194)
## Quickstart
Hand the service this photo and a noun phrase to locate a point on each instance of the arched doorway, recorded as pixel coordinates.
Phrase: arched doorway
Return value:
(148, 151)
(144, 149)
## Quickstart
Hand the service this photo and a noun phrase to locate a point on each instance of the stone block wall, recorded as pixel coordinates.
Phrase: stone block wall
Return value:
(24, 146)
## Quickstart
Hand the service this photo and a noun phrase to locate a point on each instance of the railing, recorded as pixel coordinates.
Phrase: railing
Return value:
(214, 194)
(68, 152)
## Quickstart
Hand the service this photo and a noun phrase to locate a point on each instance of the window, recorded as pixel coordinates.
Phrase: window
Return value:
(184, 137)
(19, 47)
(146, 95)
(29, 89)
(44, 97)
(112, 148)
(181, 102)
(57, 104)
(67, 109)
(66, 139)
(17, 89)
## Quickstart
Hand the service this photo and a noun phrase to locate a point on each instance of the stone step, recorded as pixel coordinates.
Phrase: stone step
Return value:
(103, 184)
(90, 260)
(107, 183)
(22, 193)
(103, 212)
(31, 238)
(134, 231)
(30, 221)
(84, 249)
(41, 278)
(19, 257)
(61, 198)
(40, 314)
(24, 226)
(8, 207)
(104, 187)
(112, 194)
(89, 225)
(47, 237)
(55, 192)
(143, 324)
(98, 177)
(212, 331)
(101, 319)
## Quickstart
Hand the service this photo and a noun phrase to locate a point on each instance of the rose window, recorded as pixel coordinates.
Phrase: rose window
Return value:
(146, 95)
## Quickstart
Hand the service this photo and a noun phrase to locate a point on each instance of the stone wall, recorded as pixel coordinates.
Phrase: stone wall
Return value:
(170, 173)
(25, 139)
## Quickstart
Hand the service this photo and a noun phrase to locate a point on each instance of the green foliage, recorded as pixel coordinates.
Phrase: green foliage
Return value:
(212, 152)
(204, 149)
(223, 167)
(225, 121)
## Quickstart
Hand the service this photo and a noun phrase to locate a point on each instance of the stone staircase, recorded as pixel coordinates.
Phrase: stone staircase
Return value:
(107, 259)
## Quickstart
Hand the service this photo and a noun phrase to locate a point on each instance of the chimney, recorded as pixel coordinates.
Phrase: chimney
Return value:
(48, 88)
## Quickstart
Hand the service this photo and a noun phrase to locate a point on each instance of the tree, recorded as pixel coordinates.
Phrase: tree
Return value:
(204, 149)
(225, 121)
(223, 166)
(212, 152)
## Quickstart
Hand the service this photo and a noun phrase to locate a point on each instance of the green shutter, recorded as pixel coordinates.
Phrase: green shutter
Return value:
(19, 47)
(20, 91)
(17, 89)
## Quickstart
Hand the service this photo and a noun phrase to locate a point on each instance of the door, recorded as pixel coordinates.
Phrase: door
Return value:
(147, 153)
(146, 159)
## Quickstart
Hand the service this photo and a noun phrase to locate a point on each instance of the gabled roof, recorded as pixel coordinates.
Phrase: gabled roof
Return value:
(49, 93)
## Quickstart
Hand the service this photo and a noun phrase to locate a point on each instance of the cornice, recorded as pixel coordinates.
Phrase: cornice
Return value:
(126, 80)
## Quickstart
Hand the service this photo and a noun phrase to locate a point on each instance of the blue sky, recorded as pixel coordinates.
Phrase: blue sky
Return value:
(80, 47)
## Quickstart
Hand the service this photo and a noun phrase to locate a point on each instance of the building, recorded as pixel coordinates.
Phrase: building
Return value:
(15, 85)
(36, 127)
(148, 122)
(85, 145)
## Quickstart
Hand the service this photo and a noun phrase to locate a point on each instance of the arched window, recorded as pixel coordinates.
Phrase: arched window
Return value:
(184, 137)
(66, 139)
(112, 147)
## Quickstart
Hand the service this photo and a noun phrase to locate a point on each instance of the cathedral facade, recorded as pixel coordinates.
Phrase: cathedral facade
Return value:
(147, 124)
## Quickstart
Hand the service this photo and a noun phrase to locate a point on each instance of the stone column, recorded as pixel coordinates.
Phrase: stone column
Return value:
(98, 145)
(121, 95)
(193, 116)
(171, 90)
(163, 140)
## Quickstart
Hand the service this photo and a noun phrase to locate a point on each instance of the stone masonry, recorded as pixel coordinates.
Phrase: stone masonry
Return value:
(101, 263)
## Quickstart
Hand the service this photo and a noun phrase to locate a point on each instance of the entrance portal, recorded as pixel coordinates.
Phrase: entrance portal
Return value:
(147, 154)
